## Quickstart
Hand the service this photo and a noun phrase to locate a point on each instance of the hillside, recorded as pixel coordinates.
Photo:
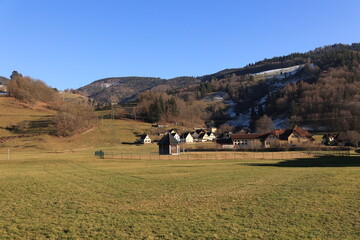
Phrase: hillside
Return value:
(37, 136)
(279, 87)
(125, 89)
(3, 80)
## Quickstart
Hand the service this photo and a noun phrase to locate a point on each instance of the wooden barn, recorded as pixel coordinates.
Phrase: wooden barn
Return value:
(168, 145)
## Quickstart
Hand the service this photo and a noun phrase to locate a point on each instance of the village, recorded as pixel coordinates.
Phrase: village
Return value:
(279, 139)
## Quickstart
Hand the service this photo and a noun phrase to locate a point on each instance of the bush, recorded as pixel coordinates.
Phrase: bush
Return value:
(74, 118)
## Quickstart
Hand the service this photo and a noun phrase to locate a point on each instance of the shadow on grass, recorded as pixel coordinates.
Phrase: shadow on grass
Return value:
(325, 161)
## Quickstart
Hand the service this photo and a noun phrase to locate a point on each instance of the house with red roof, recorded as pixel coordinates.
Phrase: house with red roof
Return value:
(295, 136)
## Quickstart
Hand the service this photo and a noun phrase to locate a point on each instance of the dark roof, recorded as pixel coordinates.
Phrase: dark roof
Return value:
(199, 131)
(143, 136)
(348, 136)
(168, 139)
(184, 135)
(201, 135)
(248, 136)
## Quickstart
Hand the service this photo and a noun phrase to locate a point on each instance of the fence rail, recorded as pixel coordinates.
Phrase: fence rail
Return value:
(200, 155)
(209, 156)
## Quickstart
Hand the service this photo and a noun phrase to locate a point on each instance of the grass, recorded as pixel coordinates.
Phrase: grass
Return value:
(109, 134)
(76, 196)
(54, 188)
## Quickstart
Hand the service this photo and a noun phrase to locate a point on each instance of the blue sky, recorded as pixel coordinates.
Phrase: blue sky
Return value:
(68, 44)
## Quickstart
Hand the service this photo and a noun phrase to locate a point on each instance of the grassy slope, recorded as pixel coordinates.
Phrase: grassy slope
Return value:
(110, 134)
(76, 196)
(13, 112)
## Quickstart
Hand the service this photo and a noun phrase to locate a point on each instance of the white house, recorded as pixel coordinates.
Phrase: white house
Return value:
(144, 139)
(210, 136)
(186, 138)
(176, 136)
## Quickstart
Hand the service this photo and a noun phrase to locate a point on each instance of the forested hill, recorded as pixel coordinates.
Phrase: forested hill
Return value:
(126, 89)
(3, 80)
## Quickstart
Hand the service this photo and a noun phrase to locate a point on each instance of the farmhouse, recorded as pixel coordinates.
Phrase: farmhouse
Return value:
(295, 136)
(168, 145)
(255, 140)
(349, 138)
(144, 139)
(276, 138)
(186, 138)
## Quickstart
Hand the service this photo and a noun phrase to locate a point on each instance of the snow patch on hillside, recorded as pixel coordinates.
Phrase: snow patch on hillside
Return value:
(276, 79)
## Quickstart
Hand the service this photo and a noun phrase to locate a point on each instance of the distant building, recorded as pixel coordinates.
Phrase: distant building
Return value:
(3, 88)
(176, 136)
(144, 139)
(255, 140)
(186, 138)
(328, 139)
(294, 137)
(168, 145)
(210, 136)
(349, 138)
(276, 138)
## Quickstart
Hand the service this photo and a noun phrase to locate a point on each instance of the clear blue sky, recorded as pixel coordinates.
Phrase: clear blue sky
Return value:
(68, 44)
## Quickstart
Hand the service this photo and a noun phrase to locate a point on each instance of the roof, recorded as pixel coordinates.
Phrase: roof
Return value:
(249, 136)
(143, 136)
(347, 136)
(301, 132)
(201, 135)
(184, 135)
(283, 134)
(199, 131)
(168, 139)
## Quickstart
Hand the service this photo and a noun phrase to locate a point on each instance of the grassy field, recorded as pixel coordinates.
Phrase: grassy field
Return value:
(76, 196)
(54, 188)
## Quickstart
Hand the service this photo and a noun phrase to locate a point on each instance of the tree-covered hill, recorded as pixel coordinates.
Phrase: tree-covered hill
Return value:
(323, 91)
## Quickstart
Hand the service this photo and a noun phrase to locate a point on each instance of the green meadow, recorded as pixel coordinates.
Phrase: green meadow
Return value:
(55, 188)
(73, 195)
